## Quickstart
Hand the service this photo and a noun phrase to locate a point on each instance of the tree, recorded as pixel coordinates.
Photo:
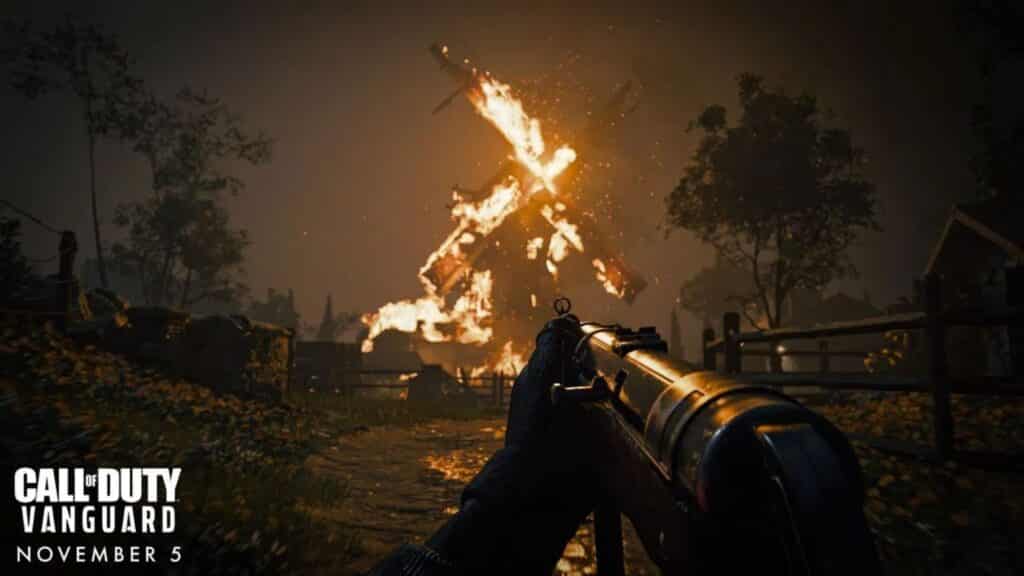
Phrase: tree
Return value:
(212, 255)
(87, 62)
(714, 290)
(180, 243)
(779, 195)
(181, 246)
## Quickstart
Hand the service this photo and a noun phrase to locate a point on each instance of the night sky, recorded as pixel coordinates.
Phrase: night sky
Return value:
(355, 196)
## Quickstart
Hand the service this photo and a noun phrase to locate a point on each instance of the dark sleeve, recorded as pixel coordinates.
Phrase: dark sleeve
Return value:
(521, 509)
(413, 560)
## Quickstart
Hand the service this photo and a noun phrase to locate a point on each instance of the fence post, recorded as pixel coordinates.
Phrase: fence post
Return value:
(67, 249)
(942, 417)
(496, 388)
(823, 358)
(710, 354)
(290, 360)
(774, 357)
(730, 330)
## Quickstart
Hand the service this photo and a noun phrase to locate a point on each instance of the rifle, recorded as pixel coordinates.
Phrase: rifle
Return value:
(715, 474)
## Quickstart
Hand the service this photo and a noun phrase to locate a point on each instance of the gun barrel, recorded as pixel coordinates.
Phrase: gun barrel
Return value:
(758, 465)
(671, 405)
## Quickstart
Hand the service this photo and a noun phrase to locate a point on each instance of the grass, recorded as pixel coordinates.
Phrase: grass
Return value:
(248, 502)
(348, 412)
(933, 517)
(245, 494)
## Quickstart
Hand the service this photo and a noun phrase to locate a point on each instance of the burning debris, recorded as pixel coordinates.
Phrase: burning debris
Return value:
(521, 215)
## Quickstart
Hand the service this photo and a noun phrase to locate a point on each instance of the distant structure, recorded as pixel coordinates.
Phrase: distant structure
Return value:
(980, 257)
(327, 366)
(808, 308)
(394, 350)
(328, 324)
(278, 308)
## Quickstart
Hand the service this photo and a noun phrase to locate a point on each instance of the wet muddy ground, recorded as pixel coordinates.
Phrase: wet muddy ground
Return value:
(405, 482)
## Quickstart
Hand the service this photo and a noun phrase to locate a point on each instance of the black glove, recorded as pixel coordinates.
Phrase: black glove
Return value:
(531, 415)
(522, 508)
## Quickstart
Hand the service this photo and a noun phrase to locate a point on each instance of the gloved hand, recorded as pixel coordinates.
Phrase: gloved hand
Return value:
(522, 508)
(531, 414)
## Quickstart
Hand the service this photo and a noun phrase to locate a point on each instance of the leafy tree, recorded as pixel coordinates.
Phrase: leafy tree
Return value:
(180, 243)
(714, 290)
(181, 246)
(278, 308)
(15, 270)
(212, 255)
(778, 195)
(83, 60)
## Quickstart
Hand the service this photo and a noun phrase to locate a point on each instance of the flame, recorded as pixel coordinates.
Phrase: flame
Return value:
(610, 278)
(472, 313)
(508, 362)
(496, 103)
(484, 216)
(564, 236)
(533, 246)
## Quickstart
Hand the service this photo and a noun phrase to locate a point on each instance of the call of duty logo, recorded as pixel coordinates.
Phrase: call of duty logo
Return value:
(73, 501)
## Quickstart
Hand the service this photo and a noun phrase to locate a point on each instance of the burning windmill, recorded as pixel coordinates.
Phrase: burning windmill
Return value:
(519, 227)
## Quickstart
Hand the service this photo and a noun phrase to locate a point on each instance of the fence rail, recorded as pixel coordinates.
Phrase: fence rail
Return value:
(934, 322)
(494, 386)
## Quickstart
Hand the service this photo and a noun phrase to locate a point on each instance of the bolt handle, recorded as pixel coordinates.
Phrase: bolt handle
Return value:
(596, 391)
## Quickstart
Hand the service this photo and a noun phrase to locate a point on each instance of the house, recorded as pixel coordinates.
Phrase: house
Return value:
(393, 350)
(980, 259)
(327, 366)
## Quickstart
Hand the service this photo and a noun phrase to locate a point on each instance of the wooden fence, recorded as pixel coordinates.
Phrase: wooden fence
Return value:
(934, 321)
(494, 388)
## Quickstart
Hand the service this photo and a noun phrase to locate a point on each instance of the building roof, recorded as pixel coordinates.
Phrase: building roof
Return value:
(975, 229)
(393, 350)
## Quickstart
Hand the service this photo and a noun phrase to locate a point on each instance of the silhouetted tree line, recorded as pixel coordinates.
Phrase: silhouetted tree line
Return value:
(179, 242)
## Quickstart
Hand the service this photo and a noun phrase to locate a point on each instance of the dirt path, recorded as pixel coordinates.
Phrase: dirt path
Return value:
(405, 482)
